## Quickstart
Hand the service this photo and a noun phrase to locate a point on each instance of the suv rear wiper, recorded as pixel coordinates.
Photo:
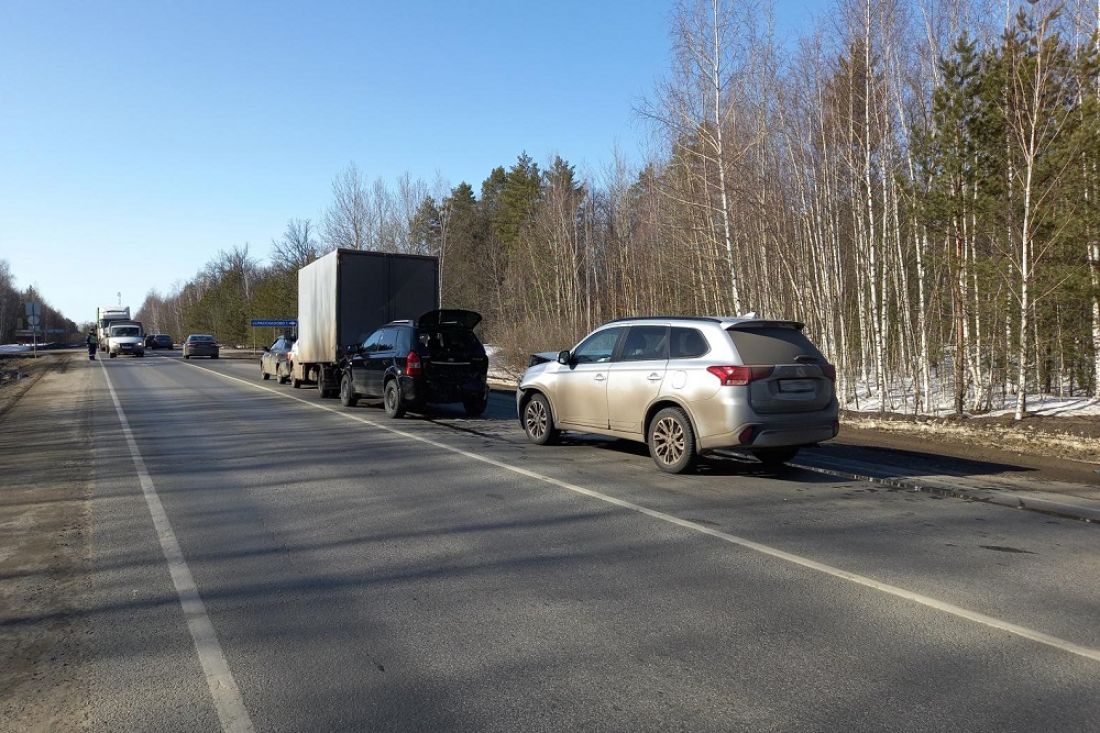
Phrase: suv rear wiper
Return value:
(806, 359)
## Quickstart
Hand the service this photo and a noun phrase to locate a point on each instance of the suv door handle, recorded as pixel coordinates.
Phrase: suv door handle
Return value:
(654, 377)
(599, 377)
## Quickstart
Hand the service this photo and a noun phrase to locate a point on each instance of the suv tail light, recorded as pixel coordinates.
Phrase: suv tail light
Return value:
(739, 376)
(412, 364)
(829, 370)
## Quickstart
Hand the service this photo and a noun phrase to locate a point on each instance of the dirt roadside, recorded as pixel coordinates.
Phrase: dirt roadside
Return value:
(1056, 449)
(20, 372)
(46, 450)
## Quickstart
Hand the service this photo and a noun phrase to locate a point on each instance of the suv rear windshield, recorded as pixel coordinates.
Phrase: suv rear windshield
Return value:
(772, 345)
(204, 339)
(451, 341)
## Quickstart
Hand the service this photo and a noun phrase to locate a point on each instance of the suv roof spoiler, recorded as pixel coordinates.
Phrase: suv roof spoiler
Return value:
(761, 323)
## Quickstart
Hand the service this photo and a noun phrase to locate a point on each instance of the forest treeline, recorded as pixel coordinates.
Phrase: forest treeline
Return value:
(13, 312)
(916, 180)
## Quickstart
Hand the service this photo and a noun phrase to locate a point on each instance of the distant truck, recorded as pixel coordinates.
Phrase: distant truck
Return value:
(347, 294)
(105, 316)
(126, 337)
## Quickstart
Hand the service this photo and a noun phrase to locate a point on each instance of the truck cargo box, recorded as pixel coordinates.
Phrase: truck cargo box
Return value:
(346, 294)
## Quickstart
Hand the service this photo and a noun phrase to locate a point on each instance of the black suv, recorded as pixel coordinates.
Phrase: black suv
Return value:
(436, 359)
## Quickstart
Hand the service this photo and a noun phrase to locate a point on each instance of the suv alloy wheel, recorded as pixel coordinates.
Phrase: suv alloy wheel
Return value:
(538, 421)
(672, 440)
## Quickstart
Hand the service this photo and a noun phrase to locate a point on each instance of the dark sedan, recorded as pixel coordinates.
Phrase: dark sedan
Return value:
(158, 341)
(200, 344)
(275, 360)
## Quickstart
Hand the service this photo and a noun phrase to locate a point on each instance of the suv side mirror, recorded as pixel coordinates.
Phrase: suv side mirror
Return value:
(564, 357)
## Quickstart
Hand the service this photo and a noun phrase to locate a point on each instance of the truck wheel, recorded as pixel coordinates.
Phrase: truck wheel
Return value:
(113, 354)
(186, 356)
(348, 398)
(322, 385)
(283, 378)
(672, 441)
(264, 374)
(394, 402)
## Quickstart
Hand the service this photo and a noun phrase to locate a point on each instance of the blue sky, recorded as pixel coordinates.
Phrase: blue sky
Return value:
(137, 139)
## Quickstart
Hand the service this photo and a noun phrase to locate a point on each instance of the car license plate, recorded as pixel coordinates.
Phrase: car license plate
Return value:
(796, 385)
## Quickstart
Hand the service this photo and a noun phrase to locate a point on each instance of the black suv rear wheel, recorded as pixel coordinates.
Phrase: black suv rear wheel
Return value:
(393, 400)
(348, 398)
(475, 406)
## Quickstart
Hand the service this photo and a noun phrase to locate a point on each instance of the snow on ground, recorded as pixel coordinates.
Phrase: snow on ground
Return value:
(1051, 406)
(15, 348)
(498, 370)
(902, 394)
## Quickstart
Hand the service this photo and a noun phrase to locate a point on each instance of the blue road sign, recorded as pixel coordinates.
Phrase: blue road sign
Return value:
(273, 322)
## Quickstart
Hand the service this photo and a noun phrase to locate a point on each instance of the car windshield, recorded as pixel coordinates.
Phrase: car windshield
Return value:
(125, 331)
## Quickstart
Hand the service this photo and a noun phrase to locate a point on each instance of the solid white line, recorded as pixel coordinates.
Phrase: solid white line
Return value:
(893, 590)
(227, 696)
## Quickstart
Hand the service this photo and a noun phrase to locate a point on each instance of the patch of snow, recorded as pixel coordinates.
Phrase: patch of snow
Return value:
(1052, 406)
(15, 348)
(863, 397)
(498, 370)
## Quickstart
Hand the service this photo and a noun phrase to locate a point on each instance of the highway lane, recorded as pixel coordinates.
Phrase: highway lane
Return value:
(358, 578)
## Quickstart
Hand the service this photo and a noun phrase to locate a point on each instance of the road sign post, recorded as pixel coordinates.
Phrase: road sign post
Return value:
(34, 317)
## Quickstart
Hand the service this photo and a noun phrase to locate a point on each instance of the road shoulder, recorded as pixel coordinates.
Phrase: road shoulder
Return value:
(44, 509)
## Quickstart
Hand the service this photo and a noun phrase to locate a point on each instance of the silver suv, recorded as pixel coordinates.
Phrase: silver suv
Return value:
(686, 386)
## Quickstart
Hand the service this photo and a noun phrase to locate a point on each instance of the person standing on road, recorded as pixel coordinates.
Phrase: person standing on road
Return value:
(92, 343)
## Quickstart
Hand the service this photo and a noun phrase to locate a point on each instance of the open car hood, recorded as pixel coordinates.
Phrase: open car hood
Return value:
(448, 317)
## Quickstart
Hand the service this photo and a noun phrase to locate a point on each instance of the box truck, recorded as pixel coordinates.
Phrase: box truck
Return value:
(344, 296)
(107, 315)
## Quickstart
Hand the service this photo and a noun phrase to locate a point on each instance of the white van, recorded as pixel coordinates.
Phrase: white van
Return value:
(126, 337)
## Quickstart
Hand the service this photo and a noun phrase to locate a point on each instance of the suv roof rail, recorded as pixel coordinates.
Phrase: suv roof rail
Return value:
(667, 318)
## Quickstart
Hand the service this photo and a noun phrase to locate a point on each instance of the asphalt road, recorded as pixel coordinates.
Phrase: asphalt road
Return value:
(359, 573)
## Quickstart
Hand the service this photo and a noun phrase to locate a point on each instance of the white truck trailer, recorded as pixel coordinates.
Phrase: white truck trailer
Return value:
(105, 316)
(347, 294)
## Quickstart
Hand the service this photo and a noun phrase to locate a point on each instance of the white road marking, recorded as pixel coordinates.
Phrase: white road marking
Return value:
(893, 590)
(227, 696)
